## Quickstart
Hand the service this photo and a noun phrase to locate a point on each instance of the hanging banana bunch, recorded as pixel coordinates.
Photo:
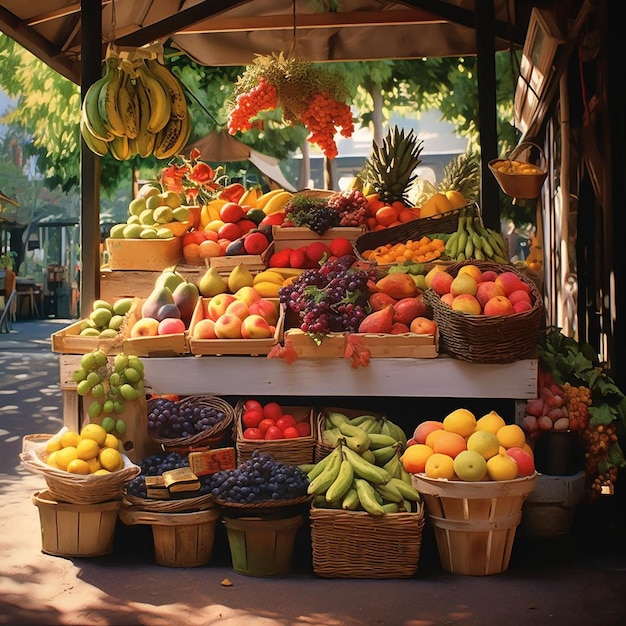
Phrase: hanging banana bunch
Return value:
(137, 107)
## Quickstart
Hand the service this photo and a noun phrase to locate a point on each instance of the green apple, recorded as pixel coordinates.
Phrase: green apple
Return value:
(148, 233)
(132, 231)
(154, 201)
(146, 216)
(136, 206)
(117, 231)
(163, 215)
(470, 466)
(172, 199)
(164, 233)
(133, 219)
(181, 214)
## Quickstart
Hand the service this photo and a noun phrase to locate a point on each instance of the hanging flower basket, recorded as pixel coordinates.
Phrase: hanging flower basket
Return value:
(307, 94)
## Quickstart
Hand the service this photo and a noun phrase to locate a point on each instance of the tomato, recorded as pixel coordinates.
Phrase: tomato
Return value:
(251, 419)
(273, 432)
(272, 410)
(253, 433)
(285, 421)
(266, 424)
(304, 428)
(253, 405)
(291, 432)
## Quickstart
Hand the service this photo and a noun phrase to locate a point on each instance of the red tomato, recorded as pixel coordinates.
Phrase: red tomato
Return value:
(285, 421)
(266, 424)
(251, 419)
(273, 432)
(304, 428)
(253, 433)
(253, 405)
(291, 432)
(272, 410)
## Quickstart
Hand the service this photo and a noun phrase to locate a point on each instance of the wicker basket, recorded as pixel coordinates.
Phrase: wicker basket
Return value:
(210, 437)
(488, 338)
(77, 488)
(179, 505)
(447, 223)
(355, 544)
(296, 451)
(517, 185)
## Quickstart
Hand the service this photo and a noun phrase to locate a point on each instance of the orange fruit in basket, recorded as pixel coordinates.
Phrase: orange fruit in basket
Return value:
(87, 449)
(440, 466)
(386, 215)
(414, 458)
(53, 444)
(460, 421)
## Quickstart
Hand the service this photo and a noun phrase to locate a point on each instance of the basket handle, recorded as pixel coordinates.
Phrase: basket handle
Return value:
(523, 146)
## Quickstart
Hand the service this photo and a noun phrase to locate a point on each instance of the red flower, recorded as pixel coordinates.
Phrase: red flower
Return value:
(201, 173)
(172, 177)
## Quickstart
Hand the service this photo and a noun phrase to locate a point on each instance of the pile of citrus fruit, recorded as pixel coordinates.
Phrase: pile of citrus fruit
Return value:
(92, 451)
(461, 447)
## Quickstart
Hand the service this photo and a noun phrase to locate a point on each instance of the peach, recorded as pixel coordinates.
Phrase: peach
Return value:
(423, 429)
(267, 309)
(228, 326)
(398, 328)
(406, 310)
(247, 294)
(487, 290)
(519, 295)
(449, 443)
(204, 329)
(145, 327)
(238, 308)
(229, 231)
(524, 460)
(473, 270)
(255, 327)
(423, 326)
(217, 305)
(447, 298)
(498, 305)
(522, 306)
(489, 275)
(466, 303)
(463, 283)
(441, 283)
(191, 253)
(171, 326)
(510, 282)
(209, 249)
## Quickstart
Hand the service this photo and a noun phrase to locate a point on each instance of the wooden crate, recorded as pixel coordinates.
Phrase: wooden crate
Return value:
(254, 262)
(215, 347)
(298, 236)
(144, 254)
(405, 345)
(69, 341)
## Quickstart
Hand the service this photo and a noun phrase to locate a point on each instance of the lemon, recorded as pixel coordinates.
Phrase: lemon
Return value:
(87, 449)
(70, 439)
(101, 472)
(78, 466)
(95, 432)
(65, 456)
(94, 465)
(111, 441)
(111, 459)
(461, 421)
(511, 436)
(51, 460)
(53, 444)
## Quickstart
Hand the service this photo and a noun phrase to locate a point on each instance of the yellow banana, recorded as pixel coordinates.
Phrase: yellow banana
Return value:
(249, 198)
(119, 148)
(263, 199)
(277, 203)
(160, 105)
(268, 276)
(267, 289)
(126, 107)
(145, 139)
(96, 145)
(172, 85)
(107, 100)
(172, 138)
(93, 122)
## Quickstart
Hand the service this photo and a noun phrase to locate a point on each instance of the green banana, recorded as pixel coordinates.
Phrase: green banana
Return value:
(367, 497)
(323, 481)
(365, 469)
(368, 455)
(351, 500)
(391, 507)
(335, 419)
(93, 122)
(97, 146)
(408, 491)
(393, 430)
(389, 493)
(341, 484)
(381, 440)
(361, 419)
(172, 85)
(394, 466)
(383, 455)
(372, 426)
(331, 436)
(306, 467)
(321, 465)
(452, 245)
(356, 438)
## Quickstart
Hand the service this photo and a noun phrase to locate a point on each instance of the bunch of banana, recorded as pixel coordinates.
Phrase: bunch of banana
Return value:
(368, 423)
(135, 109)
(273, 201)
(345, 479)
(472, 240)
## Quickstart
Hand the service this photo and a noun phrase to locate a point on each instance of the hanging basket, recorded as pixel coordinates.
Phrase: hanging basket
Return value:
(520, 179)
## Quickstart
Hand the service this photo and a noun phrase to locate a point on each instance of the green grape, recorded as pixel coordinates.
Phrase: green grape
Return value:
(83, 388)
(115, 379)
(97, 391)
(120, 362)
(132, 375)
(108, 423)
(79, 374)
(108, 406)
(136, 363)
(118, 407)
(128, 392)
(120, 426)
(88, 361)
(93, 378)
(94, 409)
(100, 358)
(140, 389)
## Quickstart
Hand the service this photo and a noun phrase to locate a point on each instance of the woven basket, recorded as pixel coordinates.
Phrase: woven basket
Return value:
(447, 223)
(206, 438)
(77, 488)
(355, 544)
(263, 505)
(517, 185)
(296, 451)
(179, 505)
(488, 338)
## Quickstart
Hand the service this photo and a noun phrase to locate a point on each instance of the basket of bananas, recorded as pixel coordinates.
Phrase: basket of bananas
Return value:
(518, 178)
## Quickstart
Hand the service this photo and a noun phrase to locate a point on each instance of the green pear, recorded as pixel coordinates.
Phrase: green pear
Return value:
(163, 215)
(158, 297)
(132, 231)
(153, 202)
(181, 214)
(147, 232)
(186, 296)
(136, 206)
(240, 276)
(147, 190)
(122, 306)
(169, 278)
(117, 231)
(171, 199)
(212, 284)
(146, 217)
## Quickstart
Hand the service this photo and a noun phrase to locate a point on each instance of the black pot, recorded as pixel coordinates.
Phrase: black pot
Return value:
(559, 453)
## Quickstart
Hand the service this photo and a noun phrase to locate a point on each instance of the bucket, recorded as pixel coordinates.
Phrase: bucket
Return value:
(474, 523)
(260, 546)
(559, 452)
(76, 529)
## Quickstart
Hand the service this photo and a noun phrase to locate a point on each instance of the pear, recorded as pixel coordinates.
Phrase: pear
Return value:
(186, 296)
(169, 278)
(212, 284)
(240, 276)
(158, 297)
(378, 321)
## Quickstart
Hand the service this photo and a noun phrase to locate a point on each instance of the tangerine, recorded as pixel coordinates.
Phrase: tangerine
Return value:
(386, 215)
(440, 466)
(414, 458)
(449, 443)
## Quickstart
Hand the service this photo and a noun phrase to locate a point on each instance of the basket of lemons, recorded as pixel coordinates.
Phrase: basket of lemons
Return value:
(519, 178)
(85, 467)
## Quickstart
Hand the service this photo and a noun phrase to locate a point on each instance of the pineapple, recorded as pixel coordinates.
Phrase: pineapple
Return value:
(462, 174)
(390, 169)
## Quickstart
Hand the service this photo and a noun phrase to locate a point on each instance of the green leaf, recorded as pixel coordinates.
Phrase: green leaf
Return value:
(602, 414)
(616, 455)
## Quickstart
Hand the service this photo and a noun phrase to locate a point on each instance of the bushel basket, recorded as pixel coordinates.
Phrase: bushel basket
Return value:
(523, 185)
(488, 338)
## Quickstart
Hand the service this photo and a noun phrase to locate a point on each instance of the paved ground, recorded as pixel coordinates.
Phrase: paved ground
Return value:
(577, 579)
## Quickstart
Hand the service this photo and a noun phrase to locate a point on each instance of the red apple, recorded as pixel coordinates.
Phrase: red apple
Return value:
(489, 275)
(253, 433)
(466, 303)
(291, 432)
(231, 212)
(229, 231)
(273, 432)
(285, 420)
(423, 326)
(304, 428)
(519, 295)
(145, 327)
(228, 326)
(525, 462)
(217, 305)
(498, 305)
(266, 423)
(171, 326)
(251, 419)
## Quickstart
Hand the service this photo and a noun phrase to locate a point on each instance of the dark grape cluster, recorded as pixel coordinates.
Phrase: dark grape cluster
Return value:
(259, 478)
(311, 212)
(169, 420)
(332, 298)
(351, 206)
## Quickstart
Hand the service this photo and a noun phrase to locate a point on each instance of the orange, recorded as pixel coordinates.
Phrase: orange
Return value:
(511, 436)
(408, 215)
(449, 443)
(432, 437)
(414, 458)
(440, 466)
(386, 215)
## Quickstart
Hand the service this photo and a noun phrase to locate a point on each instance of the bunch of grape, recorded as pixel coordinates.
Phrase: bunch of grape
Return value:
(311, 212)
(577, 400)
(598, 440)
(322, 118)
(351, 206)
(262, 97)
(259, 478)
(110, 386)
(332, 298)
(168, 419)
